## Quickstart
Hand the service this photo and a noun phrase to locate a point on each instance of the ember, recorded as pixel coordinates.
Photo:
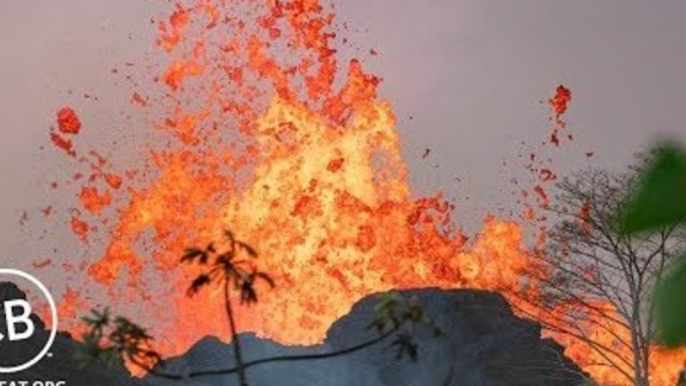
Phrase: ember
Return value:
(68, 122)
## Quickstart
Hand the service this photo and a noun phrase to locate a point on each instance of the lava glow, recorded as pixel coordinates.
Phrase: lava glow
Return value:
(272, 135)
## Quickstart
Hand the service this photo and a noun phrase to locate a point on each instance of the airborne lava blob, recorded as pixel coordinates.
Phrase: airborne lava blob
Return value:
(271, 135)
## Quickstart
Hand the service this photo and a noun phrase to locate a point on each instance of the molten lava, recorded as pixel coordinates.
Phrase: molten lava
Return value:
(275, 138)
(67, 121)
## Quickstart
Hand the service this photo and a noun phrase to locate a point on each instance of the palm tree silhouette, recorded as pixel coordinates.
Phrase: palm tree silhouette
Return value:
(112, 338)
(230, 270)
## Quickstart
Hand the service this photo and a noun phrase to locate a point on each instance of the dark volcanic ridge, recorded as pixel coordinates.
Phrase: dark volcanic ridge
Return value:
(485, 345)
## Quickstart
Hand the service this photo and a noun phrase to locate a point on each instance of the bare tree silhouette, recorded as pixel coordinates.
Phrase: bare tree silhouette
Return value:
(603, 277)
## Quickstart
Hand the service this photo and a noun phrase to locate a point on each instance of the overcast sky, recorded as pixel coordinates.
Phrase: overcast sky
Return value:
(471, 73)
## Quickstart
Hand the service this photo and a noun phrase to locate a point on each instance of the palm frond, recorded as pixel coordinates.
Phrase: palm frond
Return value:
(248, 293)
(197, 284)
(191, 254)
(229, 236)
(250, 250)
(265, 277)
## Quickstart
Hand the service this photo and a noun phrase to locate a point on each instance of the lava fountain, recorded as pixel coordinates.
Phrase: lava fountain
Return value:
(269, 132)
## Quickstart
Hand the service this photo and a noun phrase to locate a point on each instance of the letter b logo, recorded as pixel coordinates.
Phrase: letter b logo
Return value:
(18, 319)
(25, 337)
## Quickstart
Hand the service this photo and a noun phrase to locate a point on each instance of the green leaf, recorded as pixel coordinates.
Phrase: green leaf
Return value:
(438, 332)
(670, 306)
(660, 197)
(415, 313)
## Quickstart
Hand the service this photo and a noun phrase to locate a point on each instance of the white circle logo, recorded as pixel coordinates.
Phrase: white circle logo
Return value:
(12, 319)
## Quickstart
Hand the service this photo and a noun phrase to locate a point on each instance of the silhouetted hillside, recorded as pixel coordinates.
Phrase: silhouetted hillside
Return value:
(486, 346)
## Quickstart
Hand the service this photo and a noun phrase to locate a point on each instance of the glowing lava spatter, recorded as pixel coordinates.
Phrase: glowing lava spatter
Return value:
(278, 140)
(559, 103)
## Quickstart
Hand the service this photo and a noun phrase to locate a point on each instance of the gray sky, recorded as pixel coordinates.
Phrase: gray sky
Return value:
(470, 72)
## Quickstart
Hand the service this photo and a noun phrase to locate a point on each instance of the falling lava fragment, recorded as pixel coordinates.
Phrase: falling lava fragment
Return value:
(560, 101)
(67, 121)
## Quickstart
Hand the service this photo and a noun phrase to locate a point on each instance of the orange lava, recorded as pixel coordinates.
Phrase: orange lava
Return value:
(94, 201)
(543, 199)
(559, 104)
(273, 137)
(560, 101)
(67, 121)
(63, 143)
(80, 228)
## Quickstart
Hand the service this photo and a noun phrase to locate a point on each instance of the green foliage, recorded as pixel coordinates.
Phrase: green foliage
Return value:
(392, 312)
(659, 203)
(670, 306)
(111, 339)
(660, 197)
